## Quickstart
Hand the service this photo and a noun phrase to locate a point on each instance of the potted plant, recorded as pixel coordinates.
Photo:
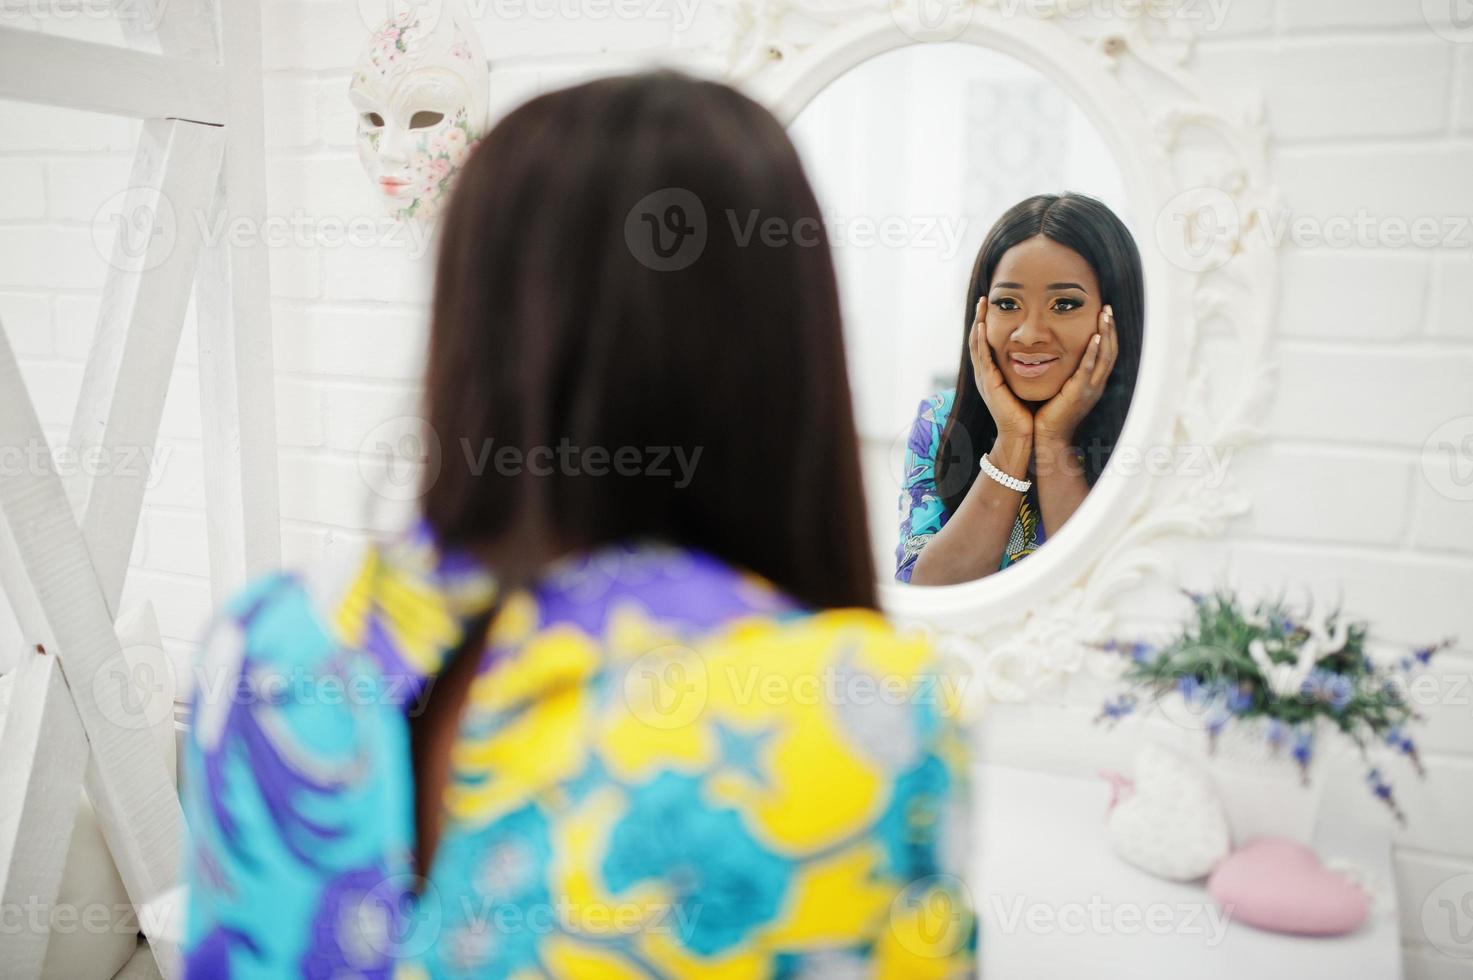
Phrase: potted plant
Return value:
(1264, 687)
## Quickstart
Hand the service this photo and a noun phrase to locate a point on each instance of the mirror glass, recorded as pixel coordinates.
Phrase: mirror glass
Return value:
(915, 155)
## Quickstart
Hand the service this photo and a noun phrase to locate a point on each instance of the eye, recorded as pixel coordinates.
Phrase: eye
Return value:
(1065, 304)
(425, 118)
(373, 119)
(1006, 303)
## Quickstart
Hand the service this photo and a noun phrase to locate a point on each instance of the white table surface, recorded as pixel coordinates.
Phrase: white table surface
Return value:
(1055, 903)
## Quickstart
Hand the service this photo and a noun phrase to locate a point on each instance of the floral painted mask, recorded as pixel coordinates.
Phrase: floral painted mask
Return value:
(421, 91)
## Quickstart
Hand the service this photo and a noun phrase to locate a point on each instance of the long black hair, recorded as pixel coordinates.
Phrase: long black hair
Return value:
(558, 319)
(1088, 227)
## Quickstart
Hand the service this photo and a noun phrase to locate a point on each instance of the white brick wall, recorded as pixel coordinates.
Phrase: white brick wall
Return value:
(1368, 109)
(1371, 111)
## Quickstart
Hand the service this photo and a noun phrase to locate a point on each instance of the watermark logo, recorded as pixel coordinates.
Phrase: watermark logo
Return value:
(1447, 917)
(137, 689)
(1451, 20)
(1447, 458)
(427, 14)
(1016, 914)
(932, 916)
(1198, 229)
(145, 463)
(1202, 228)
(393, 922)
(135, 229)
(144, 14)
(932, 20)
(666, 230)
(138, 228)
(667, 687)
(400, 458)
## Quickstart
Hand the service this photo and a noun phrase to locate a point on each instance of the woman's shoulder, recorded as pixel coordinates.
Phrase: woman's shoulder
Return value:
(839, 634)
(858, 673)
(938, 403)
(372, 620)
(933, 411)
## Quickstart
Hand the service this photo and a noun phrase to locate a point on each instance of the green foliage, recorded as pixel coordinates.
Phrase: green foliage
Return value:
(1289, 673)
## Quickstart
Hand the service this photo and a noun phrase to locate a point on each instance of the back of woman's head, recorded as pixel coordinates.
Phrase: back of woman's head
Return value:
(635, 332)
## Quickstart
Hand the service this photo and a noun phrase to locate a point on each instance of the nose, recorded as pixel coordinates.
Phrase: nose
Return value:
(1031, 330)
(394, 147)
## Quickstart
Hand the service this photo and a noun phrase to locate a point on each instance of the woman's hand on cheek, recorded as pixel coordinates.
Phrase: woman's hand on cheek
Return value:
(1014, 420)
(1057, 418)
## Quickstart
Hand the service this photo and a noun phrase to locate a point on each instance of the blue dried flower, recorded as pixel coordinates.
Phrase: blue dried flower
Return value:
(1303, 747)
(1378, 785)
(1334, 689)
(1239, 699)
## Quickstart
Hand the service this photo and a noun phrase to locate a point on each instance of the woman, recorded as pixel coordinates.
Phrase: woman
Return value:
(596, 716)
(1048, 365)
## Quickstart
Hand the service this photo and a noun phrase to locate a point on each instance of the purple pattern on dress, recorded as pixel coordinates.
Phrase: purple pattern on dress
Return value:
(347, 902)
(210, 957)
(279, 782)
(681, 585)
(921, 431)
(403, 683)
(686, 588)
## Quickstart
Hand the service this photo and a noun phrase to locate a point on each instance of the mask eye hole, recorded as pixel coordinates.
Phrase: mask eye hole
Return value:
(425, 118)
(373, 119)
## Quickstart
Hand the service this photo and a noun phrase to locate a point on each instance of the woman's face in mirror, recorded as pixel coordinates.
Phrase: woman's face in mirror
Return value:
(1042, 310)
(1005, 135)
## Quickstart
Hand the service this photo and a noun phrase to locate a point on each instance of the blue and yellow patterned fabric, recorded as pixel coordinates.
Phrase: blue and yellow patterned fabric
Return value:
(922, 512)
(666, 768)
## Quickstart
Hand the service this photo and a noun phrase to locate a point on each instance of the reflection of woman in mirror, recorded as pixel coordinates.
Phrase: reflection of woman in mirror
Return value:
(1048, 365)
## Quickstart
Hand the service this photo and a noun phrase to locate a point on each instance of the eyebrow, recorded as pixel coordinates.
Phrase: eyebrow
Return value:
(1051, 286)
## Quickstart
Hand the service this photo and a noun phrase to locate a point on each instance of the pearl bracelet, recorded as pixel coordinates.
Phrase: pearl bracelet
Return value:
(1011, 482)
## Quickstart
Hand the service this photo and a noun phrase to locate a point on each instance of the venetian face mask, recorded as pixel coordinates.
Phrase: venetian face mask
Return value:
(421, 91)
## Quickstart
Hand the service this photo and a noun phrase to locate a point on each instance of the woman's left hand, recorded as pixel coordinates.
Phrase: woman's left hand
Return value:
(1056, 419)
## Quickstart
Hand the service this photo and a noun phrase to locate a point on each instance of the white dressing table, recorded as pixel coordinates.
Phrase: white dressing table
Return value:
(1055, 903)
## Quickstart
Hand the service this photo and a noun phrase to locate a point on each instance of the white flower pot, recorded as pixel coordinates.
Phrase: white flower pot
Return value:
(1262, 790)
(1269, 799)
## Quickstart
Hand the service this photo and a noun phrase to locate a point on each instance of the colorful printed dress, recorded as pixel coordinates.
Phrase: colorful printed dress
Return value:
(666, 768)
(922, 512)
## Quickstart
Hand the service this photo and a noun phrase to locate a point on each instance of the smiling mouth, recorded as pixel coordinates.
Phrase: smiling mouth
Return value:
(1031, 366)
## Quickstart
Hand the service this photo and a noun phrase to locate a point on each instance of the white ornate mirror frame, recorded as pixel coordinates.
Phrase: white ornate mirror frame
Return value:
(1195, 174)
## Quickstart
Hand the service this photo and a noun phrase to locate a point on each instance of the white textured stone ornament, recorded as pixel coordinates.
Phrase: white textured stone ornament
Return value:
(1171, 824)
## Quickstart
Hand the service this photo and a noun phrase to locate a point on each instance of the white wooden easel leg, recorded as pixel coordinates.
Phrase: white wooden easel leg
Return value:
(52, 70)
(43, 753)
(129, 785)
(233, 303)
(71, 544)
(182, 28)
(137, 338)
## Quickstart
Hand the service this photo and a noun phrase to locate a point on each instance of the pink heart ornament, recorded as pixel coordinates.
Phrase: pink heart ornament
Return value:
(1281, 886)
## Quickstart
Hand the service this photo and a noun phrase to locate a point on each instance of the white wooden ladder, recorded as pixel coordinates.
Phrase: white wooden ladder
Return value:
(192, 73)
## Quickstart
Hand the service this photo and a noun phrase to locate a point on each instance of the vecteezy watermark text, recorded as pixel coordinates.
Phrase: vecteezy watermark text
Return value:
(669, 229)
(400, 459)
